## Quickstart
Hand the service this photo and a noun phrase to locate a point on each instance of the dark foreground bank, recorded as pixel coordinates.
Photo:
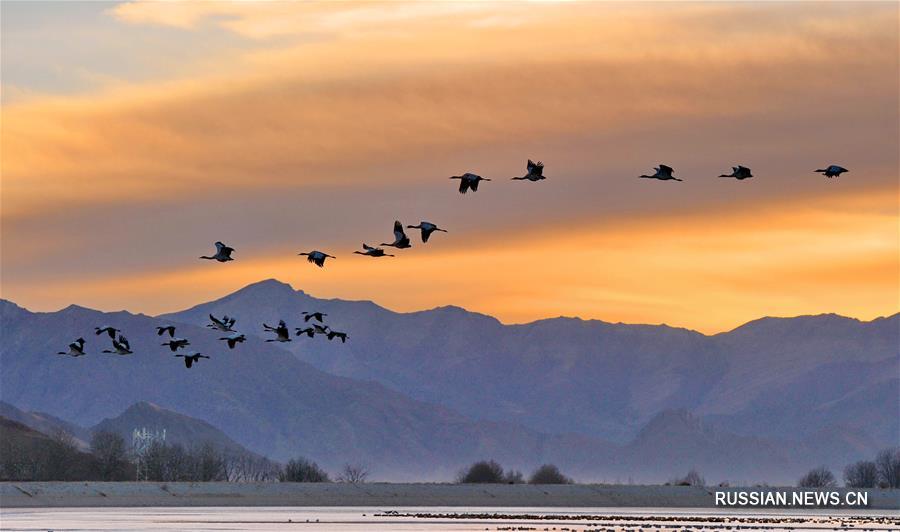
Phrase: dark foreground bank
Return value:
(90, 494)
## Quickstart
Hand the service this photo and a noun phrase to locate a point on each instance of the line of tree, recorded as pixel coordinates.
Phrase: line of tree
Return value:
(882, 472)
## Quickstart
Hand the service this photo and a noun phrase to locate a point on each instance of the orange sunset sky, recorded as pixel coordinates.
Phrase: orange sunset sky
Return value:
(136, 134)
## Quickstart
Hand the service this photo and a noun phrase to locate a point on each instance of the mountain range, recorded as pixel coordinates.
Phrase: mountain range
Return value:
(418, 395)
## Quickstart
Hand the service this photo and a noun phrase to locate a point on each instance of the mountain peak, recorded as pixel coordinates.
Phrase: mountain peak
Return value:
(269, 285)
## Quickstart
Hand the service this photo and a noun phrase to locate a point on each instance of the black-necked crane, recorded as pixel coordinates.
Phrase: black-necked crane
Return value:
(832, 171)
(317, 257)
(663, 173)
(308, 331)
(535, 172)
(234, 339)
(335, 334)
(177, 343)
(426, 228)
(190, 359)
(120, 346)
(401, 241)
(225, 324)
(372, 251)
(223, 253)
(167, 329)
(108, 329)
(76, 349)
(321, 329)
(282, 334)
(469, 181)
(318, 316)
(739, 172)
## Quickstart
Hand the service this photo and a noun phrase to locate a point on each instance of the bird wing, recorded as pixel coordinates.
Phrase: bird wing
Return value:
(398, 231)
(474, 186)
(220, 246)
(368, 247)
(464, 186)
(215, 320)
(665, 169)
(426, 233)
(535, 168)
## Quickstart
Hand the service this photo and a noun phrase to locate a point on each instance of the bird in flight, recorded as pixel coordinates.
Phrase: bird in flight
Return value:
(832, 171)
(76, 349)
(223, 253)
(190, 359)
(314, 315)
(335, 334)
(167, 329)
(427, 228)
(111, 331)
(234, 339)
(309, 331)
(282, 334)
(535, 172)
(372, 252)
(120, 346)
(177, 343)
(469, 181)
(663, 173)
(223, 324)
(739, 172)
(401, 241)
(317, 257)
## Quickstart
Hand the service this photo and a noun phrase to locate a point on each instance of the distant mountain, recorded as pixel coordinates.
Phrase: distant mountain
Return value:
(418, 395)
(260, 396)
(46, 423)
(778, 378)
(179, 428)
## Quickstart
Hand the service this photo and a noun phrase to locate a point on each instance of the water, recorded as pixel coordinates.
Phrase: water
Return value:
(365, 519)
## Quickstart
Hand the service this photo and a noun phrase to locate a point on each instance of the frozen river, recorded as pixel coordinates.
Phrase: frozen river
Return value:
(435, 519)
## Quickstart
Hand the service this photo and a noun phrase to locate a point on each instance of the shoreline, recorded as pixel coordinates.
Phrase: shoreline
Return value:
(145, 494)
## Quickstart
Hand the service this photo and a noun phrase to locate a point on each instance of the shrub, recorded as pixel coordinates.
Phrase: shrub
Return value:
(548, 474)
(819, 477)
(353, 474)
(484, 472)
(692, 478)
(303, 470)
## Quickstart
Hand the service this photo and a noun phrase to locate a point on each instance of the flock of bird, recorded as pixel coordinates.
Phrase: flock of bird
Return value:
(467, 181)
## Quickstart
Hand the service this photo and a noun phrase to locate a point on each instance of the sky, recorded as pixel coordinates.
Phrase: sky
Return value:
(136, 134)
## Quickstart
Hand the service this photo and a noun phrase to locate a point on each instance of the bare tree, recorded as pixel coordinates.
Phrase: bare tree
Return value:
(888, 463)
(693, 478)
(862, 474)
(111, 455)
(483, 472)
(819, 477)
(353, 474)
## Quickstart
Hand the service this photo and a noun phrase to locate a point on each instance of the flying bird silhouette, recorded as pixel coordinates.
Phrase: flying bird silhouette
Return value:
(76, 349)
(663, 173)
(223, 253)
(189, 360)
(314, 315)
(832, 171)
(317, 257)
(335, 334)
(282, 334)
(739, 172)
(111, 331)
(176, 343)
(120, 347)
(225, 324)
(426, 228)
(308, 331)
(535, 172)
(167, 329)
(469, 181)
(372, 252)
(401, 241)
(233, 340)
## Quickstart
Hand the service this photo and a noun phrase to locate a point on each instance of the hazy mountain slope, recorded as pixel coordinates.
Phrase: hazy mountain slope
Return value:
(262, 397)
(46, 423)
(180, 429)
(782, 378)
